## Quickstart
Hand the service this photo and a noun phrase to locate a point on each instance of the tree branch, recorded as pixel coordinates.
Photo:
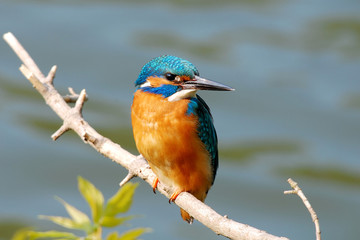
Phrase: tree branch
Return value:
(297, 190)
(136, 165)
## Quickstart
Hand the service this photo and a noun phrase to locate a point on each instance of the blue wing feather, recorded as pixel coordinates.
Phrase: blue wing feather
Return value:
(206, 130)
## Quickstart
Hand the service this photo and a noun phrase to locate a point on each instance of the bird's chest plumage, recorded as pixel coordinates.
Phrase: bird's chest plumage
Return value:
(167, 137)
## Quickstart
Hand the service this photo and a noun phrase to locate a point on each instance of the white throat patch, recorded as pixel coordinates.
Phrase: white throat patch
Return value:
(145, 84)
(186, 93)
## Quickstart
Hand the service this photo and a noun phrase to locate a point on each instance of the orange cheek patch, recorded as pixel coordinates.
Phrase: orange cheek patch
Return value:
(185, 78)
(157, 81)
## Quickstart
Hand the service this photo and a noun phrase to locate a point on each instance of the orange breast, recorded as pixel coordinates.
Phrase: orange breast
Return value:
(167, 137)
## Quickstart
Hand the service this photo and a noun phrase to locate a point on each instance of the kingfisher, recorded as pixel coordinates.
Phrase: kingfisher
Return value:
(173, 127)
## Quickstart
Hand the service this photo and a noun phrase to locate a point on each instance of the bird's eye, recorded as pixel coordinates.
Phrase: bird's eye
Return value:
(170, 76)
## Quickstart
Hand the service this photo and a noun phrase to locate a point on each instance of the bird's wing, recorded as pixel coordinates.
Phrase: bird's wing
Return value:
(206, 131)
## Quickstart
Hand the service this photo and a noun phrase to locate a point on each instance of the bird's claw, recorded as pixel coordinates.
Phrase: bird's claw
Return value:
(174, 196)
(154, 184)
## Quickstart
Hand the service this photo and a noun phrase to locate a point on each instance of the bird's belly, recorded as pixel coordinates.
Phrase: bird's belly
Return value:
(167, 137)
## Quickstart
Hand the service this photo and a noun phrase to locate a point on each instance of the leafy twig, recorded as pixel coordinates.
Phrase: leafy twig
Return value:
(103, 215)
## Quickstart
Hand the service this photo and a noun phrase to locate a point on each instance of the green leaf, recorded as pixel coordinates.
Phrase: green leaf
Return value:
(129, 235)
(51, 234)
(112, 236)
(62, 221)
(21, 234)
(93, 196)
(113, 221)
(80, 218)
(133, 234)
(121, 201)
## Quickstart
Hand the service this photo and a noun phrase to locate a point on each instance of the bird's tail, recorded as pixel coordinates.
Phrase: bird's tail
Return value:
(186, 216)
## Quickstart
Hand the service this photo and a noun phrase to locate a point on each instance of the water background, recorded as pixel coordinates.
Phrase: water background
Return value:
(295, 113)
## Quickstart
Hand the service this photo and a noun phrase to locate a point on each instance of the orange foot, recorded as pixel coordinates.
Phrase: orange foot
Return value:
(175, 195)
(154, 184)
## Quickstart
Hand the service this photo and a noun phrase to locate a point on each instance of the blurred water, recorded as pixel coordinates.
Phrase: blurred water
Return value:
(295, 112)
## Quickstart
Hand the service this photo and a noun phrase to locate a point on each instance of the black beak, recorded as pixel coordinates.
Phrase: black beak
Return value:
(204, 84)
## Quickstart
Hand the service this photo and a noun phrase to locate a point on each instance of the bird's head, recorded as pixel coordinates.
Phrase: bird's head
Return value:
(174, 78)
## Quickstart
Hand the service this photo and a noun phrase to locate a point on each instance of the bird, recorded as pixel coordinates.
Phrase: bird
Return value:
(173, 126)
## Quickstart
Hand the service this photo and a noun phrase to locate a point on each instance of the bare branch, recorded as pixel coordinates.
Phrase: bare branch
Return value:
(59, 132)
(51, 75)
(128, 177)
(31, 77)
(80, 101)
(73, 96)
(71, 91)
(297, 190)
(23, 54)
(136, 165)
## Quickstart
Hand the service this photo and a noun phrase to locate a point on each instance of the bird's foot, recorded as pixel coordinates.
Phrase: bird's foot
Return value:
(174, 195)
(154, 184)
